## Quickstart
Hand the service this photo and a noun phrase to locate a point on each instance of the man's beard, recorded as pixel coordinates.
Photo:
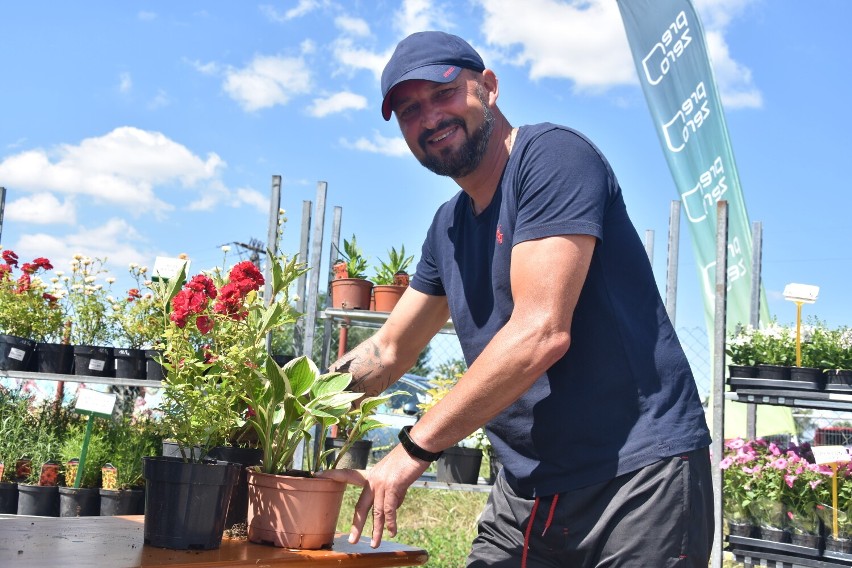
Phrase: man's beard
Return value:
(459, 163)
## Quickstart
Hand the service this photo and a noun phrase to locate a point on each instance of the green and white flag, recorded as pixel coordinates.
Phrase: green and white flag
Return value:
(670, 54)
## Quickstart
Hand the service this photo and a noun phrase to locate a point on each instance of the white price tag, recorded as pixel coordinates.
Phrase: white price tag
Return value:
(166, 267)
(96, 365)
(15, 353)
(830, 454)
(98, 403)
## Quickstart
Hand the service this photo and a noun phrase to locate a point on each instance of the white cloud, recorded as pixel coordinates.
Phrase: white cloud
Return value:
(125, 82)
(581, 41)
(116, 241)
(146, 16)
(252, 197)
(42, 209)
(353, 58)
(302, 8)
(268, 81)
(378, 145)
(418, 15)
(352, 26)
(160, 100)
(211, 68)
(338, 102)
(121, 168)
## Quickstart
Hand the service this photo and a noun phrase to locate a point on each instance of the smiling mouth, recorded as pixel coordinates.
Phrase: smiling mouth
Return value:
(443, 136)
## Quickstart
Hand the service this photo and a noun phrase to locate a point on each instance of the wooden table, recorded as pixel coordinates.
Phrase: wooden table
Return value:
(116, 542)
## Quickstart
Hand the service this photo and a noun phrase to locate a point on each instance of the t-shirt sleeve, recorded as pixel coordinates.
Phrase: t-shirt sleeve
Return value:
(564, 186)
(426, 277)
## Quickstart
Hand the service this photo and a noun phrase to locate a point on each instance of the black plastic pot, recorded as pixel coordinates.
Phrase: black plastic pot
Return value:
(808, 375)
(238, 508)
(773, 372)
(55, 358)
(93, 361)
(356, 457)
(129, 363)
(459, 465)
(15, 353)
(38, 500)
(8, 498)
(154, 371)
(172, 450)
(742, 371)
(79, 502)
(120, 501)
(186, 503)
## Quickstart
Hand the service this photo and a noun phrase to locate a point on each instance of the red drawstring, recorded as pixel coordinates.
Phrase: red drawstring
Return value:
(527, 534)
(530, 525)
(550, 515)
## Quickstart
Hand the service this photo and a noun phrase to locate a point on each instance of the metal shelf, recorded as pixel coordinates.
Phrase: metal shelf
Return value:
(25, 375)
(371, 317)
(793, 398)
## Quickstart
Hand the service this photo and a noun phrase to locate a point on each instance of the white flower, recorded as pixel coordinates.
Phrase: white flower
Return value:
(110, 280)
(54, 280)
(77, 256)
(143, 270)
(134, 265)
(226, 248)
(116, 307)
(60, 273)
(89, 279)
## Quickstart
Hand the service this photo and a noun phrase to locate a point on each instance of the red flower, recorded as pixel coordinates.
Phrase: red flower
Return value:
(42, 262)
(29, 268)
(50, 298)
(247, 275)
(203, 284)
(229, 302)
(23, 283)
(133, 294)
(10, 258)
(5, 271)
(204, 324)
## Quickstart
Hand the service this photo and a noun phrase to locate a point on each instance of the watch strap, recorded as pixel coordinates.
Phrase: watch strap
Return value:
(413, 449)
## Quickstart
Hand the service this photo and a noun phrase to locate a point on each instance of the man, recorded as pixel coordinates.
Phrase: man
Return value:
(574, 367)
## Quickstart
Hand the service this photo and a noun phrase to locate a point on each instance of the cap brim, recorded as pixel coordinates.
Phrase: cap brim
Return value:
(442, 73)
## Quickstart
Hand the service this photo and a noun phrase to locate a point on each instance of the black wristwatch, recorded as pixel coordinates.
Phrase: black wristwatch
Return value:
(413, 449)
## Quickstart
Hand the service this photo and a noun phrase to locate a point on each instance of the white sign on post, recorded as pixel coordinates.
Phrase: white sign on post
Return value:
(167, 267)
(93, 402)
(830, 454)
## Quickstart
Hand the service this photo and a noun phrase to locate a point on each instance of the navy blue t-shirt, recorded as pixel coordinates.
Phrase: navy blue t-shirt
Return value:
(623, 396)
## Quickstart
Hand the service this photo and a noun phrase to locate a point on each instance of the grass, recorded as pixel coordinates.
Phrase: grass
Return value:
(440, 522)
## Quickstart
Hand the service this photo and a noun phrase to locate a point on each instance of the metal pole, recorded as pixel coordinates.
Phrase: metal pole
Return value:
(333, 254)
(674, 251)
(315, 276)
(271, 247)
(719, 375)
(2, 208)
(754, 310)
(302, 281)
(649, 245)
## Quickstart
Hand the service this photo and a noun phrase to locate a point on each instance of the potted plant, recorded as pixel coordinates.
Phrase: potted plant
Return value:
(81, 497)
(815, 339)
(838, 357)
(288, 506)
(29, 310)
(350, 289)
(138, 326)
(128, 440)
(460, 463)
(805, 484)
(391, 279)
(775, 351)
(740, 348)
(842, 540)
(15, 422)
(87, 304)
(38, 476)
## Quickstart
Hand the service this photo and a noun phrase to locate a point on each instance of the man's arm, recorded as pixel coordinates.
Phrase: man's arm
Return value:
(547, 277)
(380, 360)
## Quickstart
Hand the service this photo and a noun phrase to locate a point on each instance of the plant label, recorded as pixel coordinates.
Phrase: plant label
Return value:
(830, 454)
(93, 402)
(166, 267)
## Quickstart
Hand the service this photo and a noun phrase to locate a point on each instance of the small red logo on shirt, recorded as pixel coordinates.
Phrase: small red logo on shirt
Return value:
(499, 235)
(449, 70)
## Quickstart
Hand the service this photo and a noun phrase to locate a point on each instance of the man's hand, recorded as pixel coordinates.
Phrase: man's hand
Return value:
(385, 486)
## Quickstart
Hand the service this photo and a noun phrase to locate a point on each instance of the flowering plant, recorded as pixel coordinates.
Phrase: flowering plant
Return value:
(136, 317)
(29, 308)
(87, 302)
(806, 484)
(775, 344)
(741, 346)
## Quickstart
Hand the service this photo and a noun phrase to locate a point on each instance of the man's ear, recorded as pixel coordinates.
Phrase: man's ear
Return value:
(491, 86)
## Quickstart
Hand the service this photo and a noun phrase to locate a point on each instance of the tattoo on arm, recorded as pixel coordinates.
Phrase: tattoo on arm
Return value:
(369, 374)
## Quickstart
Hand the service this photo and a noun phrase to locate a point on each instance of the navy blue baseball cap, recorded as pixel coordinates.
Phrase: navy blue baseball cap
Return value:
(431, 56)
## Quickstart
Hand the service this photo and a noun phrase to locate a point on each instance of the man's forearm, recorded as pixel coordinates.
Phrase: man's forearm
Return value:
(370, 373)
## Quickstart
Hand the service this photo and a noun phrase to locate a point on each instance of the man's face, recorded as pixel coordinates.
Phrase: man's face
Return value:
(446, 125)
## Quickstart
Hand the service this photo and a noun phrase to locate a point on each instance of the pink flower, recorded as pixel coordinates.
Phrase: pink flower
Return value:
(726, 463)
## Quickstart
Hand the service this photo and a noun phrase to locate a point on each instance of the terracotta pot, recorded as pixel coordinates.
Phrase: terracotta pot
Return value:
(351, 293)
(340, 270)
(293, 512)
(387, 295)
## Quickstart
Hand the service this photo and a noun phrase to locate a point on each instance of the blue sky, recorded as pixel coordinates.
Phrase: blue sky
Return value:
(130, 129)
